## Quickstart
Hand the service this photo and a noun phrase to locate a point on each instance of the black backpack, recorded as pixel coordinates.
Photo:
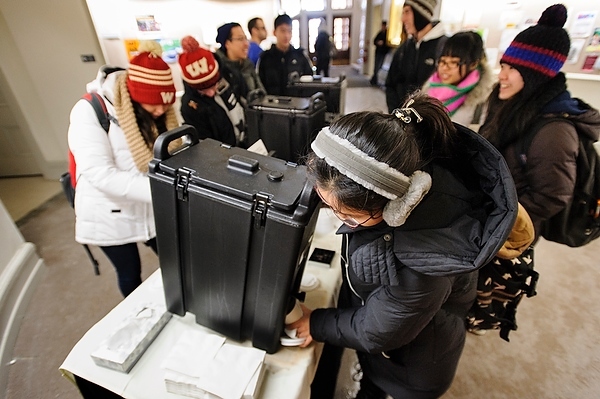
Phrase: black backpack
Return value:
(579, 222)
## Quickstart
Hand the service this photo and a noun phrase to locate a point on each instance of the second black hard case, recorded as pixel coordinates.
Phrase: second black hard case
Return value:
(286, 125)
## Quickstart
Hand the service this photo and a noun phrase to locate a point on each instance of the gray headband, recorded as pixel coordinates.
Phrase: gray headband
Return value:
(360, 167)
(404, 192)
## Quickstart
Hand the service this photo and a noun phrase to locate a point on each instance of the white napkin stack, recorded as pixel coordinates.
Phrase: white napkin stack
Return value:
(123, 348)
(202, 365)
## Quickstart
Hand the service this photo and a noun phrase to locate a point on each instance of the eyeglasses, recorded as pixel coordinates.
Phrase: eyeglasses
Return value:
(239, 39)
(348, 221)
(449, 64)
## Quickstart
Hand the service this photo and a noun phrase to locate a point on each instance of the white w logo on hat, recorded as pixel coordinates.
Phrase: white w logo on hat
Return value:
(197, 67)
(167, 96)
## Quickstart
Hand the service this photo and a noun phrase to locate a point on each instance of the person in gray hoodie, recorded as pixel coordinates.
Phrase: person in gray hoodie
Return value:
(424, 204)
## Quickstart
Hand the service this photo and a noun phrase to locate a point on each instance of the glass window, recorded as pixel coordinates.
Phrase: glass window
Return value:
(341, 33)
(313, 32)
(295, 33)
(291, 7)
(341, 4)
(312, 5)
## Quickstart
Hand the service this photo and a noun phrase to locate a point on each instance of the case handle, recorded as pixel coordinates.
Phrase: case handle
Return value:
(316, 99)
(254, 94)
(161, 145)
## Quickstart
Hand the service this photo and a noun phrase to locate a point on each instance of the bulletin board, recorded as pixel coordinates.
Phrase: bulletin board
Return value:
(500, 21)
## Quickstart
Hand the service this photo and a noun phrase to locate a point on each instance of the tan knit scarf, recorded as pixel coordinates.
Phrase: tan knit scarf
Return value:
(140, 150)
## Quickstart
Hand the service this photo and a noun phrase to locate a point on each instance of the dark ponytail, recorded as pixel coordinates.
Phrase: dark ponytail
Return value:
(406, 147)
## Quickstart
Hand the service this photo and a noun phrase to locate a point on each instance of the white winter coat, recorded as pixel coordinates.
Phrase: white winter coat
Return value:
(113, 204)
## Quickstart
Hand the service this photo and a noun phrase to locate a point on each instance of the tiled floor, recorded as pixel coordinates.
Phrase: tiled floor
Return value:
(71, 298)
(555, 353)
(22, 195)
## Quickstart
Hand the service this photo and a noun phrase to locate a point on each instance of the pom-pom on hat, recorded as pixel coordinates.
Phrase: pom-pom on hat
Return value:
(422, 11)
(198, 66)
(540, 51)
(149, 78)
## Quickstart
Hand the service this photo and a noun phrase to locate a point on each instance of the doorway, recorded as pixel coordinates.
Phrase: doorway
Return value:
(340, 30)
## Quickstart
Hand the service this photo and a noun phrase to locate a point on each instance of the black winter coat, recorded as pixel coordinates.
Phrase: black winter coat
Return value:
(208, 117)
(275, 67)
(407, 290)
(412, 65)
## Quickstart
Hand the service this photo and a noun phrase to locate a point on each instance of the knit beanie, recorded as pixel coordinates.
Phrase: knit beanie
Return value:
(198, 66)
(149, 78)
(282, 19)
(223, 33)
(422, 11)
(540, 51)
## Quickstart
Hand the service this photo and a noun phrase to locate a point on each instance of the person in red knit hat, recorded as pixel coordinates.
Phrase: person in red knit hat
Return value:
(113, 204)
(209, 103)
(530, 88)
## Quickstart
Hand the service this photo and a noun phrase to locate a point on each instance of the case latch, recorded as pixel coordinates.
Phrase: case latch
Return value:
(181, 186)
(261, 202)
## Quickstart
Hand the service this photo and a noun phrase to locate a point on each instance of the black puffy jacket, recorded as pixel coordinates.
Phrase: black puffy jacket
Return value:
(407, 290)
(412, 64)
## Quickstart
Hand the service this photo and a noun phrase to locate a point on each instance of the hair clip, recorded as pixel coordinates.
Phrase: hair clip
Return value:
(404, 113)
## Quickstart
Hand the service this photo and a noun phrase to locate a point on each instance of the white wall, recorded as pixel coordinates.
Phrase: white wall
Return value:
(20, 271)
(40, 45)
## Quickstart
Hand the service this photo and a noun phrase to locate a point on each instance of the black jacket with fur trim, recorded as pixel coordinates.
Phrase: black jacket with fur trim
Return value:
(407, 290)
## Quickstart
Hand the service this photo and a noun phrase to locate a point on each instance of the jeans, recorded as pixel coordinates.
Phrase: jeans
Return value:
(126, 261)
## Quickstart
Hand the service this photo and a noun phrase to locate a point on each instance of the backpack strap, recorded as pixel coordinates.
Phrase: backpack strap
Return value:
(99, 106)
(523, 144)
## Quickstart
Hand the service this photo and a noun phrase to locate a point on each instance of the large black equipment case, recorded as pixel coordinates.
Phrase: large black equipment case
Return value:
(286, 125)
(333, 89)
(234, 230)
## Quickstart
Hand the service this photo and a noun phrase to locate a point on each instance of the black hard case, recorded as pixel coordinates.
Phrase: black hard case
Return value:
(234, 230)
(286, 125)
(333, 89)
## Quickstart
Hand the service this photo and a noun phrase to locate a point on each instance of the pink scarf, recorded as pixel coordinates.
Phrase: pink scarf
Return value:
(453, 96)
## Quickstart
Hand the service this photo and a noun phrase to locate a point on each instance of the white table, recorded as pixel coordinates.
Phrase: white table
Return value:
(289, 371)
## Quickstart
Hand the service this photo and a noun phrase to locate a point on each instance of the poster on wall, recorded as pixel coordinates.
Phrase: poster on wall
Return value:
(583, 24)
(594, 45)
(575, 50)
(131, 46)
(589, 63)
(147, 23)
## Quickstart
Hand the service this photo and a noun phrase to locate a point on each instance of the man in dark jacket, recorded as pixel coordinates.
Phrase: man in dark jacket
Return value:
(233, 60)
(415, 60)
(276, 64)
(381, 50)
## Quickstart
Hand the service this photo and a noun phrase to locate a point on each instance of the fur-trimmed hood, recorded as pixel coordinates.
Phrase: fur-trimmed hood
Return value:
(480, 93)
(448, 233)
(464, 219)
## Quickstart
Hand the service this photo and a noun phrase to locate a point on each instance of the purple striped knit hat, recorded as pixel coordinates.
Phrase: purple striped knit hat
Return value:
(540, 51)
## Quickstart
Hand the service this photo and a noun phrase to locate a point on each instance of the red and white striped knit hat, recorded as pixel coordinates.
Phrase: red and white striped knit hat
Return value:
(149, 78)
